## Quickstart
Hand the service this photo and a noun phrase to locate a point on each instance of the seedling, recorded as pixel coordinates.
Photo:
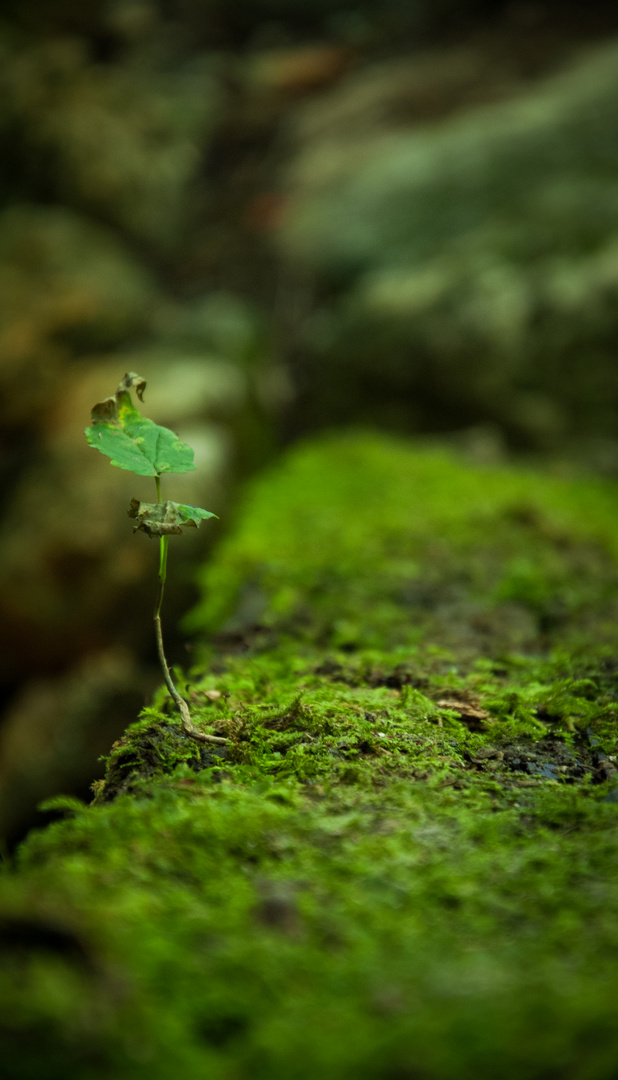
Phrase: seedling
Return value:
(142, 447)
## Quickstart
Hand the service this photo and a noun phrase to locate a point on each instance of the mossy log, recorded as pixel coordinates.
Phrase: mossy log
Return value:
(402, 865)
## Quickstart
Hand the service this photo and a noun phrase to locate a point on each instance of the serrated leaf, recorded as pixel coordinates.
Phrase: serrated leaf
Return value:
(130, 440)
(166, 518)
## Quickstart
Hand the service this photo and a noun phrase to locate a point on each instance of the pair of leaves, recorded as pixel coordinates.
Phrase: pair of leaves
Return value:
(147, 449)
(166, 518)
(130, 440)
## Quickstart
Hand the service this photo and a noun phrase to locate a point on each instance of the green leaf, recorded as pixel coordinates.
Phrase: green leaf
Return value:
(132, 441)
(166, 518)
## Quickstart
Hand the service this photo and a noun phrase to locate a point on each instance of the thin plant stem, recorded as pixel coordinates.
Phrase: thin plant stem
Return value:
(183, 708)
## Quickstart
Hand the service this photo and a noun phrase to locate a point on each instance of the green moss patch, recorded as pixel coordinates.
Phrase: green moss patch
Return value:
(359, 541)
(403, 862)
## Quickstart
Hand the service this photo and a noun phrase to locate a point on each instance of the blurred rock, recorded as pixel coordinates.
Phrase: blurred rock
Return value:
(66, 285)
(470, 266)
(297, 71)
(123, 141)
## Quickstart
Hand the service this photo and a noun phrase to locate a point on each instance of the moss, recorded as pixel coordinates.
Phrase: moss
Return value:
(151, 747)
(404, 864)
(357, 541)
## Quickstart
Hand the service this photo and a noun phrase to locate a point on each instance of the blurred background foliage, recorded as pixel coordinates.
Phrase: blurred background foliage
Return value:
(285, 217)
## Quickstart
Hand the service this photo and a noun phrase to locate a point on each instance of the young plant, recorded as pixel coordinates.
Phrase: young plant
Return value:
(142, 447)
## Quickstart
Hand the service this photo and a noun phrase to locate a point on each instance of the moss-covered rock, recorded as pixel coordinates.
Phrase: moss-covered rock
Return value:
(357, 541)
(402, 863)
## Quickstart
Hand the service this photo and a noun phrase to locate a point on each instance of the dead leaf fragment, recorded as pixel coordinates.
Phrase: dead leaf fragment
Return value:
(132, 381)
(475, 718)
(166, 518)
(104, 411)
(152, 518)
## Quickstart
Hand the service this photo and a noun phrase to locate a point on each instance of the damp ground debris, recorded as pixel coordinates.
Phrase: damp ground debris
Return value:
(402, 863)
